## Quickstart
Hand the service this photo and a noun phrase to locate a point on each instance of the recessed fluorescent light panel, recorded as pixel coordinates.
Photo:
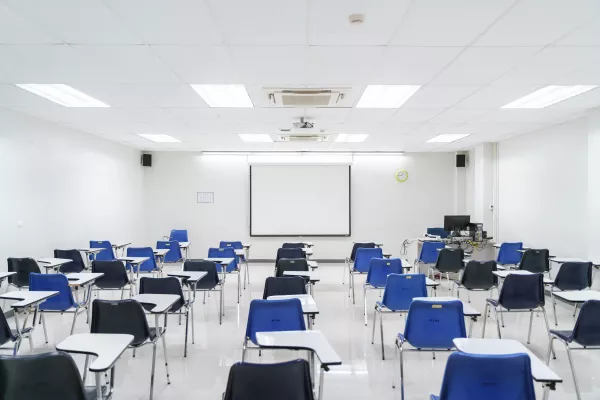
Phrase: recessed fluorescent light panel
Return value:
(448, 138)
(351, 138)
(224, 95)
(159, 138)
(386, 96)
(61, 94)
(256, 138)
(549, 95)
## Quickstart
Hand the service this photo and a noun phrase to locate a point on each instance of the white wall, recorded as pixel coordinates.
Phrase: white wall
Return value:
(593, 217)
(382, 209)
(67, 187)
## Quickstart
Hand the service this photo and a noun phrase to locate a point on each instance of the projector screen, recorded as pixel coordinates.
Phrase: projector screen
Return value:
(300, 200)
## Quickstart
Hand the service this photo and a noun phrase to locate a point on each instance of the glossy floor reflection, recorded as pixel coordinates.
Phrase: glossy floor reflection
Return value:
(363, 375)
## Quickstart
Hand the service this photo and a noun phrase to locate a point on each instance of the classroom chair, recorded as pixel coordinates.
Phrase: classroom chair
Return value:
(61, 303)
(429, 254)
(400, 290)
(362, 260)
(441, 232)
(379, 269)
(289, 253)
(128, 317)
(52, 375)
(23, 267)
(174, 254)
(536, 261)
(12, 335)
(586, 334)
(519, 293)
(430, 326)
(107, 254)
(571, 276)
(237, 245)
(115, 277)
(272, 316)
(489, 377)
(292, 246)
(449, 261)
(170, 285)
(286, 285)
(77, 265)
(211, 282)
(508, 256)
(290, 264)
(148, 266)
(477, 276)
(349, 260)
(178, 235)
(232, 267)
(289, 380)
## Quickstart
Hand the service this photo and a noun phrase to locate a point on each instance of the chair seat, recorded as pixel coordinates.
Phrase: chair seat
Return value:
(90, 392)
(355, 271)
(153, 335)
(564, 335)
(370, 285)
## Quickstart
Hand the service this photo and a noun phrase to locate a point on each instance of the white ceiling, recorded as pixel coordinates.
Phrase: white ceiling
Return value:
(139, 56)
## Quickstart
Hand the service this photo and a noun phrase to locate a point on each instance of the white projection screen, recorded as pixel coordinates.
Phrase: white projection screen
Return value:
(300, 200)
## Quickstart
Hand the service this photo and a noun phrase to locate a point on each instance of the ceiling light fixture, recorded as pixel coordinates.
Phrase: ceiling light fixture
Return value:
(224, 95)
(62, 94)
(386, 96)
(448, 137)
(159, 138)
(549, 95)
(256, 138)
(351, 138)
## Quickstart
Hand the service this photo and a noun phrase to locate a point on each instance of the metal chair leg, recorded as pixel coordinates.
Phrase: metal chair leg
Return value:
(554, 307)
(401, 373)
(353, 296)
(166, 360)
(573, 372)
(502, 317)
(485, 317)
(497, 322)
(153, 368)
(365, 302)
(44, 326)
(575, 309)
(85, 368)
(550, 346)
(395, 359)
(548, 329)
(374, 322)
(530, 324)
(244, 347)
(192, 312)
(187, 314)
(381, 331)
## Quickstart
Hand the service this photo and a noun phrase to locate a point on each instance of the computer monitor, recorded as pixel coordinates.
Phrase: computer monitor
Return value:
(456, 222)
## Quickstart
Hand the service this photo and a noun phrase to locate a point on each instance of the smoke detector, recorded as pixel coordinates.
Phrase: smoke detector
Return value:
(356, 19)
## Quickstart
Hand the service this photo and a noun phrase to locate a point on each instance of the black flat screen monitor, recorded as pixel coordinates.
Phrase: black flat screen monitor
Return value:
(456, 222)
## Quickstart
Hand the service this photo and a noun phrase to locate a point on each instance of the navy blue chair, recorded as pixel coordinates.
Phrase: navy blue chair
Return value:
(107, 254)
(400, 290)
(508, 256)
(63, 302)
(571, 276)
(294, 252)
(489, 377)
(477, 276)
(379, 269)
(231, 268)
(75, 266)
(291, 264)
(174, 254)
(441, 232)
(12, 335)
(179, 235)
(23, 267)
(429, 254)
(536, 261)
(349, 260)
(449, 261)
(292, 246)
(289, 380)
(148, 266)
(115, 276)
(286, 285)
(211, 282)
(272, 316)
(431, 325)
(586, 334)
(362, 261)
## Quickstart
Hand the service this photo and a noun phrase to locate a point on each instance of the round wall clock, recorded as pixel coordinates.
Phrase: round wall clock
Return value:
(401, 175)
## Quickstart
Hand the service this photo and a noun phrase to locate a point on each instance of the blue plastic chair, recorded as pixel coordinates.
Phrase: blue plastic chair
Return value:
(431, 325)
(571, 276)
(379, 269)
(400, 290)
(293, 252)
(586, 333)
(232, 267)
(508, 255)
(441, 232)
(362, 261)
(174, 254)
(429, 254)
(148, 265)
(489, 377)
(105, 255)
(292, 246)
(272, 316)
(62, 302)
(237, 245)
(179, 235)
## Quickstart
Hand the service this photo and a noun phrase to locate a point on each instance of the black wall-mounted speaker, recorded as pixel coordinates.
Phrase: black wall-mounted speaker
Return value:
(461, 160)
(146, 160)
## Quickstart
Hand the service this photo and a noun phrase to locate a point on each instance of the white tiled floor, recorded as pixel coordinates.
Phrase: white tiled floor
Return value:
(203, 374)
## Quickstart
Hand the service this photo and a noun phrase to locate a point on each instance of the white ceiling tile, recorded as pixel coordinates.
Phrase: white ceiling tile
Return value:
(170, 94)
(201, 120)
(270, 65)
(448, 23)
(261, 22)
(457, 115)
(548, 114)
(495, 96)
(15, 29)
(328, 22)
(587, 35)
(539, 22)
(342, 65)
(39, 64)
(116, 95)
(438, 96)
(405, 115)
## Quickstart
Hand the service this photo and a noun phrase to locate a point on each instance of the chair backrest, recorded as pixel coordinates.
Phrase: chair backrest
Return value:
(115, 275)
(401, 289)
(363, 257)
(441, 232)
(288, 380)
(289, 253)
(489, 377)
(40, 376)
(211, 280)
(76, 266)
(105, 255)
(283, 286)
(479, 275)
(23, 267)
(429, 253)
(292, 246)
(174, 253)
(356, 246)
(587, 326)
(149, 264)
(434, 324)
(380, 268)
(522, 292)
(168, 285)
(274, 316)
(291, 264)
(236, 245)
(53, 282)
(224, 252)
(535, 260)
(179, 235)
(450, 260)
(508, 254)
(5, 332)
(120, 316)
(574, 276)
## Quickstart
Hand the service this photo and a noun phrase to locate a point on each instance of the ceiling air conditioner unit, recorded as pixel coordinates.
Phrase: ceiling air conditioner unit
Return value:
(305, 98)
